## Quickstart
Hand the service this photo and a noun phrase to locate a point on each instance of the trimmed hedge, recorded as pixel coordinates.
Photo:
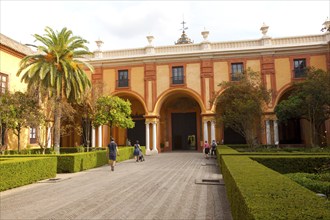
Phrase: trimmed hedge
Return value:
(257, 192)
(71, 163)
(318, 183)
(293, 164)
(126, 153)
(16, 171)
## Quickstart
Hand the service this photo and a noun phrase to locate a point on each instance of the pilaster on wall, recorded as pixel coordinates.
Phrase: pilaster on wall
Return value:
(207, 82)
(97, 78)
(268, 76)
(150, 85)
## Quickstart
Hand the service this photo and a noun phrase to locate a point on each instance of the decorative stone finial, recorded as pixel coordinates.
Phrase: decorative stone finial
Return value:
(99, 44)
(205, 34)
(264, 29)
(326, 25)
(150, 39)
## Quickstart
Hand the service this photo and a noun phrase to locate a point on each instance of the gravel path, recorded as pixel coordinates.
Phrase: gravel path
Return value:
(162, 187)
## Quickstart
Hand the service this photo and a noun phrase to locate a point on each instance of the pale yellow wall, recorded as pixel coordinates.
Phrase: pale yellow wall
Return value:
(318, 62)
(12, 139)
(193, 77)
(9, 65)
(221, 73)
(137, 76)
(163, 78)
(253, 64)
(282, 72)
(109, 80)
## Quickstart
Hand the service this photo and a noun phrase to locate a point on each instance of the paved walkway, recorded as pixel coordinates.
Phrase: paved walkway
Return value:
(162, 187)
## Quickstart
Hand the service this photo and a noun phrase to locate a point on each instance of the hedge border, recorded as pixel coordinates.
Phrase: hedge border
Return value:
(278, 197)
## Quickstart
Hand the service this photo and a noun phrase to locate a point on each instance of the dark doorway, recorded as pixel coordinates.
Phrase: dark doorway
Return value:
(137, 133)
(184, 131)
(233, 137)
(289, 132)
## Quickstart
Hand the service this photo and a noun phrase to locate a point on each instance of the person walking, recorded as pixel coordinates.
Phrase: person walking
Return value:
(136, 150)
(206, 149)
(113, 152)
(213, 149)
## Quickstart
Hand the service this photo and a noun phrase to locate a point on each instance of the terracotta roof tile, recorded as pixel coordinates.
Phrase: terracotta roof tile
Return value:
(21, 48)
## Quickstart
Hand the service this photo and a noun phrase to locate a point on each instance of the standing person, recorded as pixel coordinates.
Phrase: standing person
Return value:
(206, 149)
(213, 148)
(113, 152)
(136, 150)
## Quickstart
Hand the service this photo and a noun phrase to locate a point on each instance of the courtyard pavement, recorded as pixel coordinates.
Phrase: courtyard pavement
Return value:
(176, 185)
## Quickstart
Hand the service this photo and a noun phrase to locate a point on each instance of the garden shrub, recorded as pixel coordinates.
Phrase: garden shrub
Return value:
(257, 192)
(294, 164)
(318, 183)
(18, 171)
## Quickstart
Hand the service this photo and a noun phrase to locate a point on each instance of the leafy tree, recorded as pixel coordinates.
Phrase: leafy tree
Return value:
(240, 106)
(113, 111)
(59, 67)
(21, 110)
(310, 100)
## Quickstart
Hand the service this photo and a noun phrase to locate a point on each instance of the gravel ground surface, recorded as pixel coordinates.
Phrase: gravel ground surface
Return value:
(177, 185)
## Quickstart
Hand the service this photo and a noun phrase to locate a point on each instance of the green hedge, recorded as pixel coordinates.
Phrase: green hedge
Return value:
(126, 153)
(318, 183)
(16, 171)
(294, 164)
(257, 192)
(71, 163)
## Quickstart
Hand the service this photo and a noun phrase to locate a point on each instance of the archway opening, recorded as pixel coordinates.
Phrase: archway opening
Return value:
(180, 123)
(291, 130)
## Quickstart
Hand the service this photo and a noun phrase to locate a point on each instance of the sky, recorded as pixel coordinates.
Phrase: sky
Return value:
(125, 24)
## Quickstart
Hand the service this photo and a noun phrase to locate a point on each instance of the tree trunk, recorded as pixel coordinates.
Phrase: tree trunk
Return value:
(57, 125)
(18, 139)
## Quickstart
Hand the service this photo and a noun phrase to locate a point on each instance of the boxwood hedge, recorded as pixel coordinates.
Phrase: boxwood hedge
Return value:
(258, 192)
(16, 171)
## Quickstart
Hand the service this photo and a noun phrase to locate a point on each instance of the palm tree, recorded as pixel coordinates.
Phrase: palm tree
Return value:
(58, 66)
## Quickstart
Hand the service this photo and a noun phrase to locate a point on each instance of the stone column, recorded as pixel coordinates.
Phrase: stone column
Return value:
(268, 136)
(154, 137)
(49, 137)
(147, 139)
(276, 140)
(206, 135)
(93, 137)
(100, 136)
(212, 131)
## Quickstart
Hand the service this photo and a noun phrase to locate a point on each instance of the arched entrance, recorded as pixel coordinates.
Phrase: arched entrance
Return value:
(180, 122)
(290, 132)
(138, 132)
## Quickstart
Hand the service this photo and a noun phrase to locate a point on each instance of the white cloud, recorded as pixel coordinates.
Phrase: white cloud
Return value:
(125, 24)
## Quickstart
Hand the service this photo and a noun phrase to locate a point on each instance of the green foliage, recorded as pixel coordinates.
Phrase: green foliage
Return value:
(318, 183)
(126, 153)
(16, 172)
(249, 96)
(59, 67)
(113, 111)
(294, 164)
(257, 192)
(71, 163)
(20, 110)
(310, 99)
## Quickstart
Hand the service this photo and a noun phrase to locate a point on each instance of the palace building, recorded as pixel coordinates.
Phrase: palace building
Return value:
(172, 88)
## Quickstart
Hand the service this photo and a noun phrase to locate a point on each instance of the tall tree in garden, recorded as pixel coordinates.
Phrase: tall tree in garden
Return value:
(21, 110)
(240, 106)
(113, 111)
(59, 67)
(310, 100)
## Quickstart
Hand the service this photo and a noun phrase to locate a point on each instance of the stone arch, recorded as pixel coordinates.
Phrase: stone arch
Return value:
(139, 110)
(166, 94)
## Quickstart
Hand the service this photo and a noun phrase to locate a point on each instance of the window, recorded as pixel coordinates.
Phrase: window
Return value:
(236, 71)
(3, 82)
(122, 78)
(299, 68)
(177, 75)
(33, 135)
